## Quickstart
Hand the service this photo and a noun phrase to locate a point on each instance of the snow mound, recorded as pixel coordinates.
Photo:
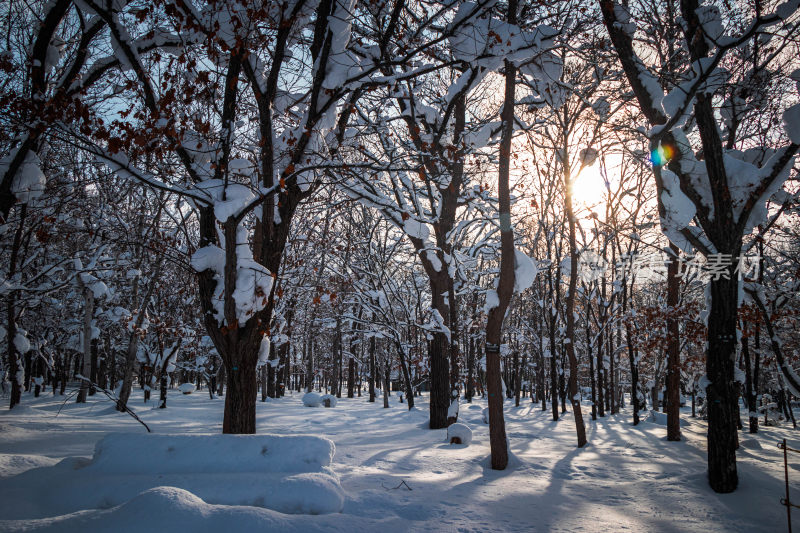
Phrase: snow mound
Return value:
(288, 474)
(485, 414)
(751, 444)
(174, 509)
(659, 418)
(187, 388)
(312, 399)
(13, 464)
(460, 432)
(329, 400)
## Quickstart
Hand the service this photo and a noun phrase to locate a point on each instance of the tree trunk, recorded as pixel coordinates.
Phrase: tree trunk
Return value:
(271, 371)
(634, 367)
(221, 380)
(591, 369)
(163, 390)
(14, 360)
(240, 399)
(601, 375)
(93, 370)
(351, 377)
(580, 429)
(308, 347)
(470, 392)
(406, 376)
(750, 393)
(263, 371)
(505, 285)
(720, 394)
(88, 317)
(373, 371)
(518, 369)
(440, 381)
(673, 349)
(553, 370)
(386, 378)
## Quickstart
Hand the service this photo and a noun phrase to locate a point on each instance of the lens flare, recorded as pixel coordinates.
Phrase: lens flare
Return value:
(661, 155)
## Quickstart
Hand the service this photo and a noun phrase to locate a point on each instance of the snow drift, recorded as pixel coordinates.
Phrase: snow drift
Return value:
(288, 474)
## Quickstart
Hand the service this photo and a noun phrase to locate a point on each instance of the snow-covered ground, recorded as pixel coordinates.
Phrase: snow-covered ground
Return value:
(396, 474)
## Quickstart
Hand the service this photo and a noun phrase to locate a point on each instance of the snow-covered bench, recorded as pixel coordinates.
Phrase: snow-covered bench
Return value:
(289, 474)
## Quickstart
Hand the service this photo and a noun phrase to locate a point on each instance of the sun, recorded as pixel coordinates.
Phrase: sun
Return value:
(589, 187)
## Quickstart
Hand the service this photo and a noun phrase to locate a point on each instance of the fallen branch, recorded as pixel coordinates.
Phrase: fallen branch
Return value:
(403, 482)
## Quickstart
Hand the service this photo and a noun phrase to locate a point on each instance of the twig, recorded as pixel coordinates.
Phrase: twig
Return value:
(111, 396)
(402, 482)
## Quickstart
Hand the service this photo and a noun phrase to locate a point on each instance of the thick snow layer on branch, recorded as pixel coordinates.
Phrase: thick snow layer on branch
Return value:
(679, 209)
(488, 41)
(711, 21)
(543, 74)
(492, 300)
(231, 200)
(29, 181)
(525, 271)
(416, 229)
(21, 342)
(253, 280)
(479, 138)
(787, 9)
(745, 178)
(209, 257)
(623, 17)
(253, 284)
(791, 123)
(263, 351)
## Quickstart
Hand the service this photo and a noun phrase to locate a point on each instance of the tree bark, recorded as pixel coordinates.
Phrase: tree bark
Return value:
(580, 429)
(440, 380)
(591, 369)
(720, 393)
(386, 385)
(240, 400)
(505, 285)
(88, 317)
(518, 369)
(373, 371)
(673, 349)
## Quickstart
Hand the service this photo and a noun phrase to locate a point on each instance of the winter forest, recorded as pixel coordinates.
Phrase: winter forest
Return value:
(399, 265)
